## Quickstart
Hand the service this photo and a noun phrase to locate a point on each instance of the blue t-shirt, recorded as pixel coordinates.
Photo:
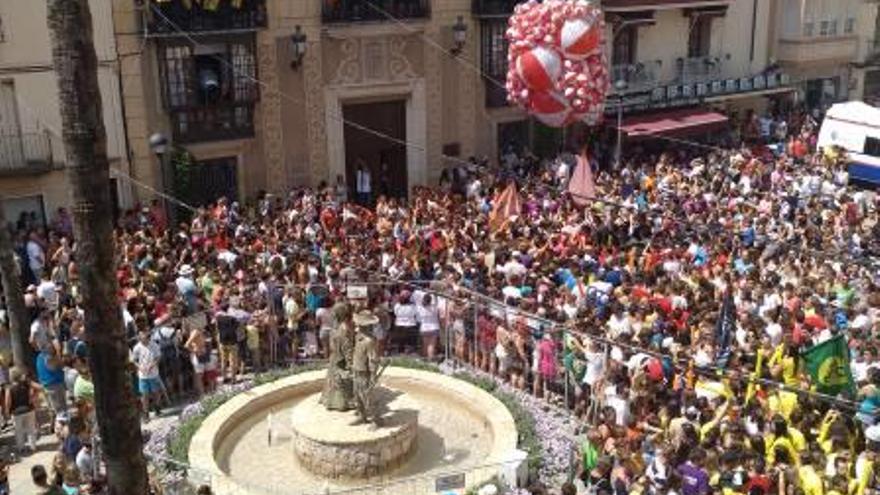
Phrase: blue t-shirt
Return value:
(188, 291)
(46, 375)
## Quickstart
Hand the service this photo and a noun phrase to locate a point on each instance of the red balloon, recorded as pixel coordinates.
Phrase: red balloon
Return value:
(543, 102)
(539, 68)
(579, 38)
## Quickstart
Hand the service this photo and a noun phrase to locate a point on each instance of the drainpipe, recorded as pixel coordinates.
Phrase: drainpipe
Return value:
(754, 27)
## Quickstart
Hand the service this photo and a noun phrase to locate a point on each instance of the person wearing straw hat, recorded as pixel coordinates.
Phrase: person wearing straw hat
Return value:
(364, 364)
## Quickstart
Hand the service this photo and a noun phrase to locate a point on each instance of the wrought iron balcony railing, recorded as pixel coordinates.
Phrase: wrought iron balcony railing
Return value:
(493, 8)
(25, 153)
(345, 11)
(213, 123)
(639, 76)
(173, 16)
(697, 69)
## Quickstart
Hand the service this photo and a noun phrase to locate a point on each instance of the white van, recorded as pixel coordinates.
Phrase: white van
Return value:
(855, 127)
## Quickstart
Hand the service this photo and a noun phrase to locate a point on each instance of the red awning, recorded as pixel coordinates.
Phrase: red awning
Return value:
(675, 122)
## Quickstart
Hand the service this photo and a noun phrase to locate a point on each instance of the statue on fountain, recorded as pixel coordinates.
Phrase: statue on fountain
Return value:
(365, 366)
(354, 368)
(338, 394)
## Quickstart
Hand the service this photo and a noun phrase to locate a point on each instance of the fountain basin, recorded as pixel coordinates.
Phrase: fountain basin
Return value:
(248, 444)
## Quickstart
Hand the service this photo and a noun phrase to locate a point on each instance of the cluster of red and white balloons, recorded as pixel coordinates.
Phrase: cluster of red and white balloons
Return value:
(558, 68)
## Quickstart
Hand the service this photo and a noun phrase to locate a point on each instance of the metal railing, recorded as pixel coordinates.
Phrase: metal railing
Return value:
(343, 11)
(492, 8)
(223, 15)
(213, 123)
(637, 76)
(25, 153)
(698, 69)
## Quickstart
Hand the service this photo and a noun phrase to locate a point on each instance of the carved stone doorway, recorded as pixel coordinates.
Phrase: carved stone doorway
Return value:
(384, 156)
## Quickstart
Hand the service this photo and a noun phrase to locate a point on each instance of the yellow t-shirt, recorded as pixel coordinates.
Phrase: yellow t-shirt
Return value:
(783, 403)
(810, 481)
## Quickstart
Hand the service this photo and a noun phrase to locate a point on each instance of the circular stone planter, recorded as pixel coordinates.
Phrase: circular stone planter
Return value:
(209, 451)
(334, 445)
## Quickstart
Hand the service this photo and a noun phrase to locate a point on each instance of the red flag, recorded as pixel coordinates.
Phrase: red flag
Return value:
(581, 186)
(505, 205)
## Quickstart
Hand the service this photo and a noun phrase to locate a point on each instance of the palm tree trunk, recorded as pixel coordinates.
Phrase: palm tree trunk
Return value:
(16, 312)
(85, 145)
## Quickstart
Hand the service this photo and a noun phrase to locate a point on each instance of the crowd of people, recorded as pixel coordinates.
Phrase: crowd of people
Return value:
(610, 304)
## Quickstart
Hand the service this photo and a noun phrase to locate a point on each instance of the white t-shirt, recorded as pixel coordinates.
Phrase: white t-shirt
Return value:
(774, 332)
(41, 334)
(618, 403)
(146, 358)
(429, 318)
(326, 320)
(595, 367)
(36, 256)
(405, 315)
(47, 291)
(619, 326)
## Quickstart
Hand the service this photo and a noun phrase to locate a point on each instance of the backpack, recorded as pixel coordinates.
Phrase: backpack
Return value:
(227, 328)
(167, 344)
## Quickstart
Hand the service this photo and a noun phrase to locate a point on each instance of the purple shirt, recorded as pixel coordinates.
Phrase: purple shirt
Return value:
(694, 480)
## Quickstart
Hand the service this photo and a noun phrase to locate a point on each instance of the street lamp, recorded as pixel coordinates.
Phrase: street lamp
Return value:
(459, 36)
(160, 146)
(619, 86)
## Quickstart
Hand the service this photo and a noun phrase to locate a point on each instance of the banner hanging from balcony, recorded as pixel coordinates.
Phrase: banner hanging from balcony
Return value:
(558, 69)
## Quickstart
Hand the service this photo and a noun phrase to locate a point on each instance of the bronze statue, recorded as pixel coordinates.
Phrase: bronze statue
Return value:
(365, 365)
(338, 394)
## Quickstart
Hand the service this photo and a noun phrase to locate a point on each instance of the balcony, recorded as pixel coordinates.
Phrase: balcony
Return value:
(635, 5)
(493, 8)
(640, 76)
(806, 50)
(22, 154)
(213, 123)
(345, 11)
(170, 17)
(698, 69)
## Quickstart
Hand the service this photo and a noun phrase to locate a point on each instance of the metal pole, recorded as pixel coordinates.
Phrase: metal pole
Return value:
(476, 334)
(565, 370)
(165, 164)
(617, 151)
(447, 331)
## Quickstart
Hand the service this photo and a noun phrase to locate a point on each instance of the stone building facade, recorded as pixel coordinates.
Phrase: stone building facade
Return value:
(32, 177)
(268, 95)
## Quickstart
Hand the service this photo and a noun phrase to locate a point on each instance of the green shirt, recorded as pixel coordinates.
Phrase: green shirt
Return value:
(83, 389)
(207, 286)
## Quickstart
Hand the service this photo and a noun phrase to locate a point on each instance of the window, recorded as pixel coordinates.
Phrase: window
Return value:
(493, 54)
(2, 31)
(872, 146)
(824, 28)
(210, 90)
(700, 39)
(832, 28)
(808, 29)
(217, 73)
(624, 52)
(849, 26)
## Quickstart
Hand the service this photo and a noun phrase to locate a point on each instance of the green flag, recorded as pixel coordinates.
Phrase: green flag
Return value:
(828, 366)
